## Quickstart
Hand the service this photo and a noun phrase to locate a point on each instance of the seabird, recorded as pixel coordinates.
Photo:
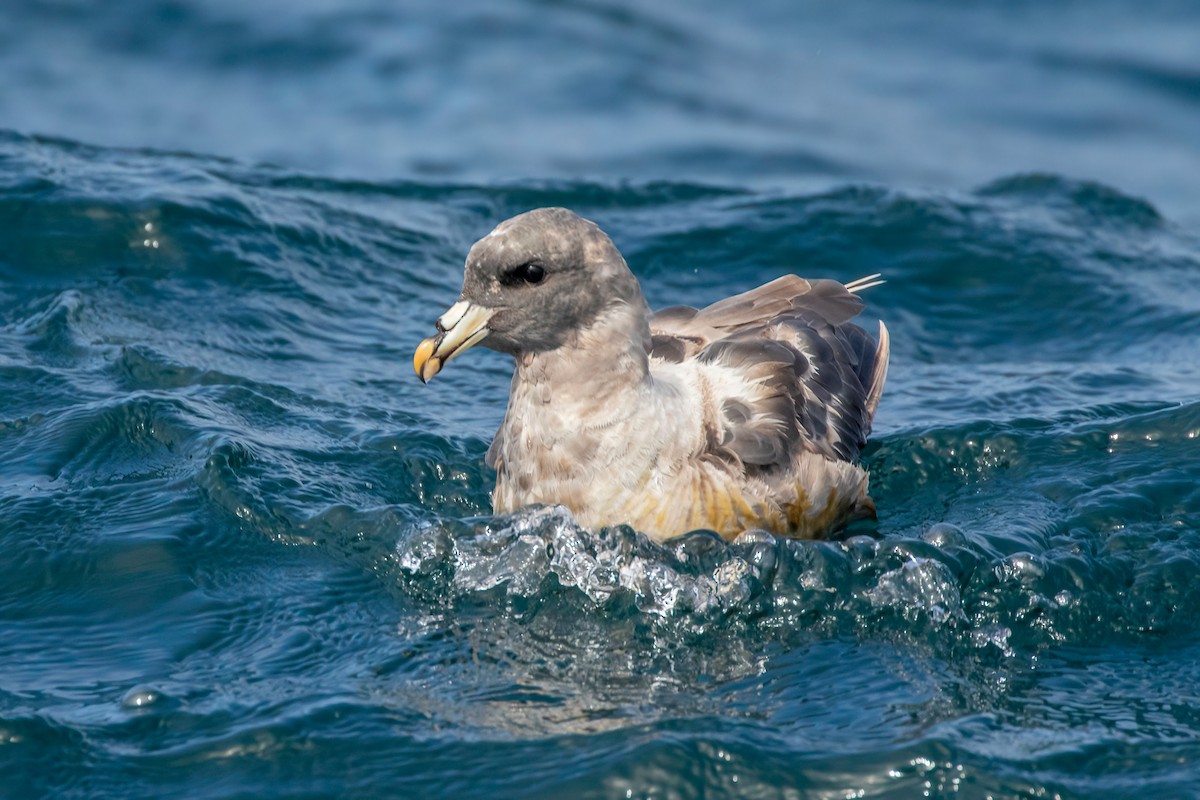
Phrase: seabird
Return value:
(750, 413)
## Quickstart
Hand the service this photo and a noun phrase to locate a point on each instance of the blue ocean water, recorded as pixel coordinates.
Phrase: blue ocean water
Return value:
(244, 553)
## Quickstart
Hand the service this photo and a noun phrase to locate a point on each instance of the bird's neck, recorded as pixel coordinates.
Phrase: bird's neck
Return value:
(609, 355)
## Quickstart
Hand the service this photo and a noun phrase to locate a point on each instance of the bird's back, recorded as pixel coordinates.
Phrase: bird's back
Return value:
(790, 386)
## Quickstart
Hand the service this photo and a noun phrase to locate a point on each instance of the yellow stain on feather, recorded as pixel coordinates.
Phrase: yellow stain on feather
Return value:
(705, 501)
(710, 505)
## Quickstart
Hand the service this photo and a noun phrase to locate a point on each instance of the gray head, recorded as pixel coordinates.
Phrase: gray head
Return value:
(529, 285)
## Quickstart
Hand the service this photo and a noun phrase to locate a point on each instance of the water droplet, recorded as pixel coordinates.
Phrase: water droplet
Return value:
(943, 535)
(141, 697)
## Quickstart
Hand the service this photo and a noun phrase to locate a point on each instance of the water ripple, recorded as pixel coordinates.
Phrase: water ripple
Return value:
(244, 551)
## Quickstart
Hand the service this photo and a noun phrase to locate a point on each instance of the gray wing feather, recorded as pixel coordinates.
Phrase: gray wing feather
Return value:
(492, 459)
(816, 376)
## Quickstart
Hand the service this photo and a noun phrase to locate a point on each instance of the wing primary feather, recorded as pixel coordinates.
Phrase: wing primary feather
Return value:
(879, 375)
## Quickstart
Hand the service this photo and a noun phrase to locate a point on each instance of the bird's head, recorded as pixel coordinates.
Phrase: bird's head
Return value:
(529, 285)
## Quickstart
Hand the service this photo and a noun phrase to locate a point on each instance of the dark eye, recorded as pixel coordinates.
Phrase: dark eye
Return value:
(530, 273)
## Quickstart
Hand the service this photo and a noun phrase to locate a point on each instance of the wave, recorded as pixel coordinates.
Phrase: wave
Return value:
(232, 514)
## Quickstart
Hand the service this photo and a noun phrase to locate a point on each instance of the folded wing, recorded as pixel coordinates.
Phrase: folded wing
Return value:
(810, 379)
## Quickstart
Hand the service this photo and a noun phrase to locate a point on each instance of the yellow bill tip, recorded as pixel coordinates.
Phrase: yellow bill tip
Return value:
(425, 363)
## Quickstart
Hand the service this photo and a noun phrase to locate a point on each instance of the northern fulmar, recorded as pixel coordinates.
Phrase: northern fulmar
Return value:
(749, 413)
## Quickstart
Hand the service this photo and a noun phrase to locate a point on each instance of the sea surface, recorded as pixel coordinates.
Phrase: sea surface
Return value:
(245, 553)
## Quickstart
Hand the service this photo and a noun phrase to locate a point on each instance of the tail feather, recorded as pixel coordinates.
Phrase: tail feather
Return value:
(864, 283)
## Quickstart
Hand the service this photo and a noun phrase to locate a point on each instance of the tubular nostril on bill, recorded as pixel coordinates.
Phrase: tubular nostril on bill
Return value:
(452, 316)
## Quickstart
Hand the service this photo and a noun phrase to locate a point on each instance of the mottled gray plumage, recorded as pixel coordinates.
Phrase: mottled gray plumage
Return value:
(748, 413)
(796, 334)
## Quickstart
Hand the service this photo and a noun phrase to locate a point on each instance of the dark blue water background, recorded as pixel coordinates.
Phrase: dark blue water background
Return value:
(244, 553)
